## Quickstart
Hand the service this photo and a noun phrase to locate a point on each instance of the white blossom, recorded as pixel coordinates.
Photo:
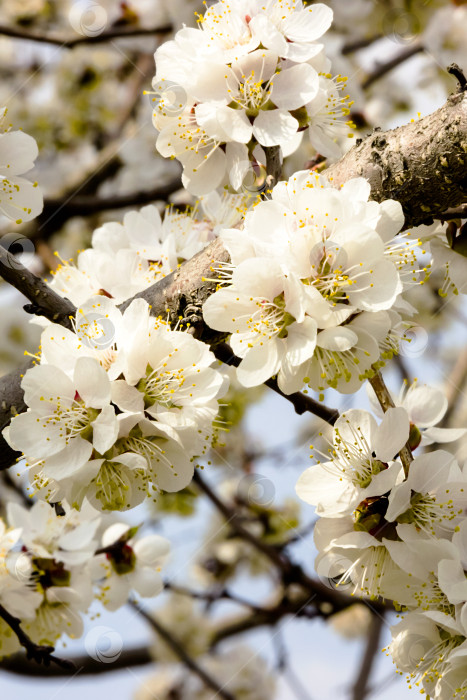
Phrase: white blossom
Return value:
(305, 265)
(129, 563)
(361, 464)
(20, 199)
(67, 418)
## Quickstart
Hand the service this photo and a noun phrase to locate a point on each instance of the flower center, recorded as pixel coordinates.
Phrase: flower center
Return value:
(160, 386)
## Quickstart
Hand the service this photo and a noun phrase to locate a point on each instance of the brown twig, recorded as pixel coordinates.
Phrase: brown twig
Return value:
(37, 652)
(385, 400)
(397, 60)
(182, 654)
(361, 687)
(61, 209)
(273, 165)
(85, 665)
(357, 44)
(454, 389)
(123, 32)
(291, 573)
(44, 301)
(458, 73)
(453, 213)
(212, 596)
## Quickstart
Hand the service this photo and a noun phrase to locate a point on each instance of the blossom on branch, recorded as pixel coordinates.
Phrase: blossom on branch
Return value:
(20, 199)
(313, 275)
(245, 78)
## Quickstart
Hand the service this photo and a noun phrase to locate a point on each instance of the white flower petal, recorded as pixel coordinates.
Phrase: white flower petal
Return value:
(105, 429)
(295, 87)
(272, 128)
(91, 382)
(260, 363)
(392, 434)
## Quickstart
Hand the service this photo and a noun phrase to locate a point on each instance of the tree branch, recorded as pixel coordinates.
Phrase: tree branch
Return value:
(85, 665)
(421, 164)
(458, 73)
(385, 400)
(361, 686)
(44, 301)
(383, 68)
(37, 652)
(291, 573)
(61, 209)
(453, 213)
(178, 649)
(123, 32)
(394, 162)
(273, 165)
(357, 44)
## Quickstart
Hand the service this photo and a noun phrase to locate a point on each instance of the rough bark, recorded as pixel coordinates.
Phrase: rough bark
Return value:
(43, 299)
(179, 297)
(11, 403)
(421, 164)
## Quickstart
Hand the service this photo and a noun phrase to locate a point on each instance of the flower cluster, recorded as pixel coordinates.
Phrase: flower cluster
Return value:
(399, 531)
(251, 76)
(118, 408)
(314, 279)
(120, 404)
(20, 199)
(52, 566)
(126, 258)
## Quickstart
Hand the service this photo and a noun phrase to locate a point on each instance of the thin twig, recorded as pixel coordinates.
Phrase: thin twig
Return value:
(143, 70)
(383, 68)
(44, 301)
(290, 571)
(296, 685)
(86, 665)
(385, 401)
(212, 596)
(273, 165)
(361, 686)
(71, 42)
(37, 652)
(453, 213)
(178, 649)
(458, 73)
(454, 389)
(64, 208)
(300, 607)
(7, 481)
(357, 44)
